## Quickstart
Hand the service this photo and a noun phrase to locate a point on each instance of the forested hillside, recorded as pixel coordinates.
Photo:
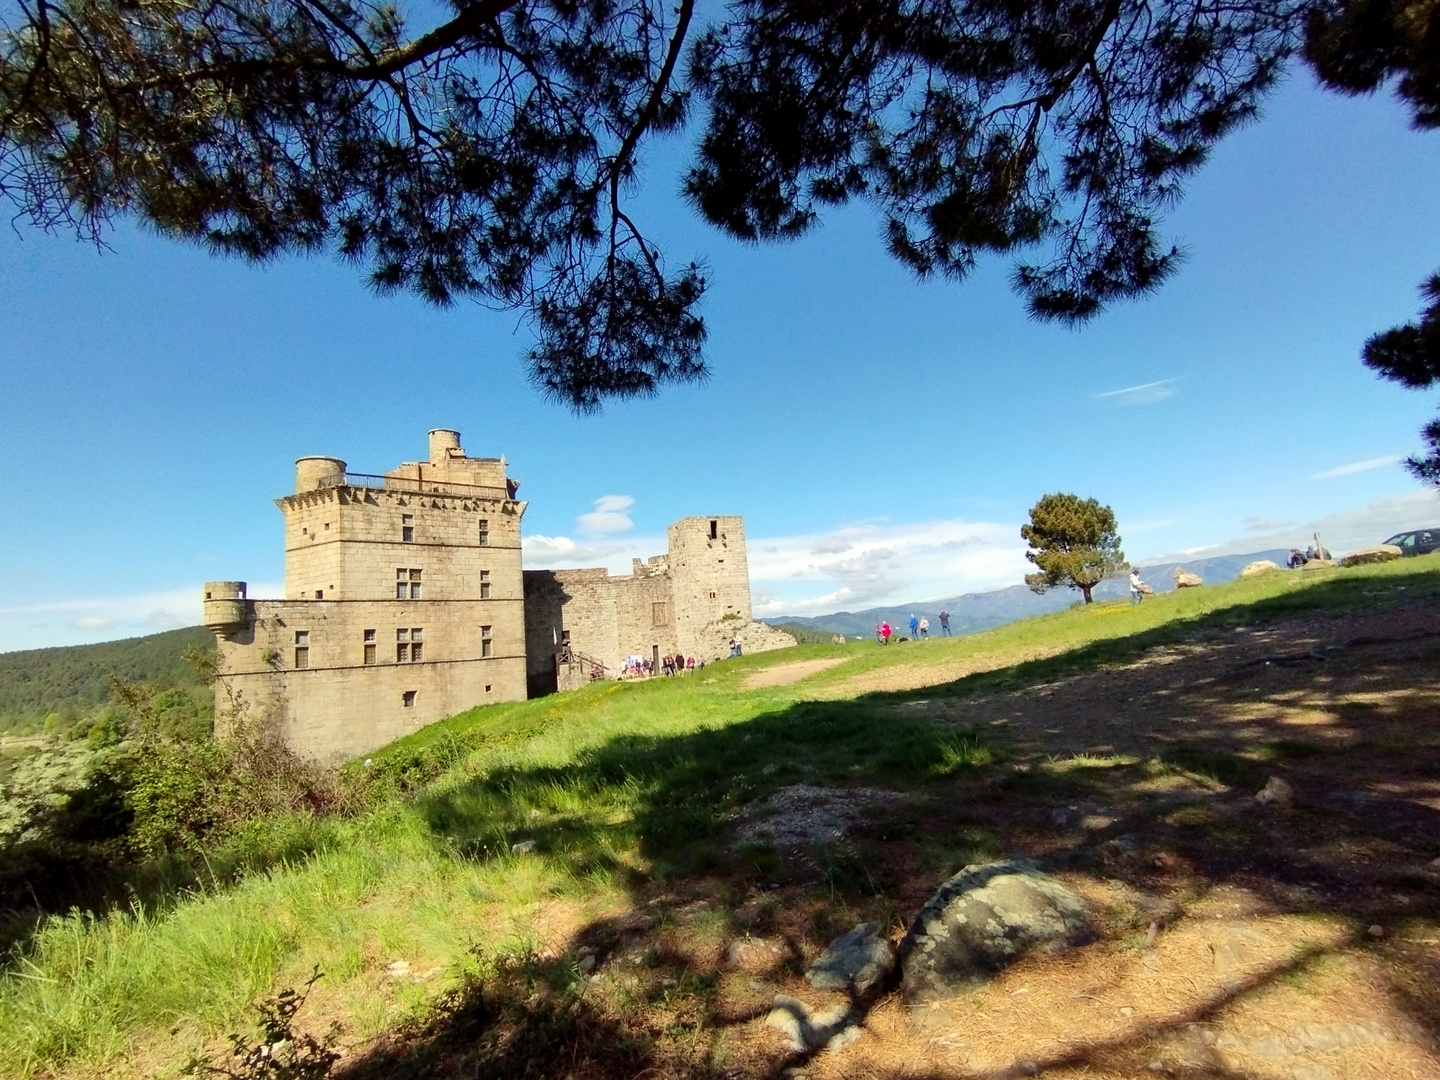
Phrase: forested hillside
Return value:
(75, 679)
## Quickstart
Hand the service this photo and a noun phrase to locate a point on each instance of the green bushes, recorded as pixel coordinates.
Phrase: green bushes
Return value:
(145, 796)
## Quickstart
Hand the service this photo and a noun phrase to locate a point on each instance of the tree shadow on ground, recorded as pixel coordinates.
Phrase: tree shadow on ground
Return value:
(1134, 763)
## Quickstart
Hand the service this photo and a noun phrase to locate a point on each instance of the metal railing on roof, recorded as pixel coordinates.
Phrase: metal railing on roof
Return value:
(426, 486)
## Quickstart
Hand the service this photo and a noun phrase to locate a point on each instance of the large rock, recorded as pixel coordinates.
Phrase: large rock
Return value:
(1378, 553)
(856, 962)
(1186, 580)
(982, 919)
(1259, 566)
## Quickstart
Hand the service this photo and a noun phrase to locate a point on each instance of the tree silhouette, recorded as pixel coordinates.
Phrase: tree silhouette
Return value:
(493, 152)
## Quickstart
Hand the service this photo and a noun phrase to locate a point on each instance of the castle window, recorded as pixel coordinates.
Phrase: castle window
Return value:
(408, 698)
(486, 642)
(714, 529)
(407, 528)
(319, 594)
(484, 532)
(302, 648)
(369, 646)
(657, 614)
(407, 583)
(408, 645)
(327, 526)
(712, 595)
(484, 584)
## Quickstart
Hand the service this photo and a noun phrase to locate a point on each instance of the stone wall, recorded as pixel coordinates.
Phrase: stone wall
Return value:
(693, 600)
(347, 542)
(344, 702)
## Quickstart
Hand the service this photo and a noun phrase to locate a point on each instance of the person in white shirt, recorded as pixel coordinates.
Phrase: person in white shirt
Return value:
(1137, 595)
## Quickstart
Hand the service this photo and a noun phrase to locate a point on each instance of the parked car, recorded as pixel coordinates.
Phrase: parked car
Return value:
(1419, 542)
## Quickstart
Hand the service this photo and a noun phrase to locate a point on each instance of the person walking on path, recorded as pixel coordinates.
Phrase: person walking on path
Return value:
(878, 639)
(924, 626)
(1137, 593)
(944, 624)
(914, 628)
(884, 633)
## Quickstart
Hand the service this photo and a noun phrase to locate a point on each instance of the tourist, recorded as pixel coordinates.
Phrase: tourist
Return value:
(884, 633)
(690, 665)
(944, 624)
(1137, 587)
(924, 626)
(914, 627)
(878, 639)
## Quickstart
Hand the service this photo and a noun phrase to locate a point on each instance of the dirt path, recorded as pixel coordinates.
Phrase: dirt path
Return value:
(785, 674)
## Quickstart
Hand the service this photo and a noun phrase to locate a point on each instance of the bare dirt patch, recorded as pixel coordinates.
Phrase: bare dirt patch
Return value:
(803, 814)
(786, 674)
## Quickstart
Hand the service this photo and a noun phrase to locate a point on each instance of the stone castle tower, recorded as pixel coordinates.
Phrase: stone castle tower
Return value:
(691, 601)
(404, 603)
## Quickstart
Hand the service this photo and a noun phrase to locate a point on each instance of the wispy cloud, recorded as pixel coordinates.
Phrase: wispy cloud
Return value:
(870, 563)
(565, 553)
(1341, 532)
(1144, 394)
(1358, 467)
(857, 565)
(608, 517)
(101, 618)
(1257, 524)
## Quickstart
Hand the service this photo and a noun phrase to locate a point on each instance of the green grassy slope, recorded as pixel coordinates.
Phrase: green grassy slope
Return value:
(77, 677)
(623, 787)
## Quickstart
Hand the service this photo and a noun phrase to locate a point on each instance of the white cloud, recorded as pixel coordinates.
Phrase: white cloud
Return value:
(92, 622)
(1358, 467)
(1257, 524)
(608, 517)
(1345, 531)
(87, 619)
(867, 564)
(1144, 394)
(858, 565)
(565, 553)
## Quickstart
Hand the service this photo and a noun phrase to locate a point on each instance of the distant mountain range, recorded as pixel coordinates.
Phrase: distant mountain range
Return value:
(973, 612)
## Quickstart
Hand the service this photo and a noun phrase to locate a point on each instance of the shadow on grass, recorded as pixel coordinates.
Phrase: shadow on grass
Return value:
(1349, 719)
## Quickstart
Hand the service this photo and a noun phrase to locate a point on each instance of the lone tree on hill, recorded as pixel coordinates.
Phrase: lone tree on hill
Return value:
(493, 149)
(1074, 543)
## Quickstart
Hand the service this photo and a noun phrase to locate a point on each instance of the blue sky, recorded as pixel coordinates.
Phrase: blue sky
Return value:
(883, 437)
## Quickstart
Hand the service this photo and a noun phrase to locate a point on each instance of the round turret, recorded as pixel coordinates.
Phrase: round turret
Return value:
(444, 444)
(313, 473)
(225, 607)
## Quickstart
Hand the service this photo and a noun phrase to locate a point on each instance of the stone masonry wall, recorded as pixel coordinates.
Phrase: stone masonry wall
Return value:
(339, 706)
(347, 543)
(691, 601)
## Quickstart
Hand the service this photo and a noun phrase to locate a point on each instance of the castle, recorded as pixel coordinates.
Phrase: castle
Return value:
(406, 602)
